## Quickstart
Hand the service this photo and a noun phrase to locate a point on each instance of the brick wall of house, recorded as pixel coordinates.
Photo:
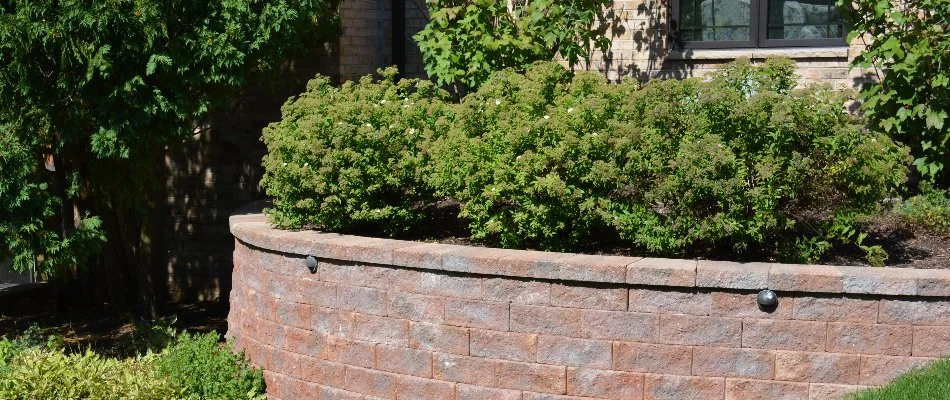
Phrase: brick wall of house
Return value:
(417, 15)
(215, 173)
(400, 320)
(366, 43)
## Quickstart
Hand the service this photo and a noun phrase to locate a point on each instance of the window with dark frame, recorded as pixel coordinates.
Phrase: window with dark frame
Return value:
(757, 23)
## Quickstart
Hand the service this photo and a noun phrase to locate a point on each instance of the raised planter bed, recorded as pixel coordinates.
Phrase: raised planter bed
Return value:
(380, 318)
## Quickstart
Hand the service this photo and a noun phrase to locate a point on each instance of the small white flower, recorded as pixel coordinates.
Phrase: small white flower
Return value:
(340, 123)
(518, 158)
(570, 109)
(493, 189)
(369, 125)
(547, 117)
(594, 134)
(412, 131)
(383, 101)
(284, 165)
(497, 101)
(305, 165)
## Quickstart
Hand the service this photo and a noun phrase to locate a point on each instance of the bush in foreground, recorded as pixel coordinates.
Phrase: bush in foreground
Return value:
(52, 374)
(200, 368)
(194, 367)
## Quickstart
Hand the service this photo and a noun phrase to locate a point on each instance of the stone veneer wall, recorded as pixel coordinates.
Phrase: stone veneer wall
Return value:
(396, 319)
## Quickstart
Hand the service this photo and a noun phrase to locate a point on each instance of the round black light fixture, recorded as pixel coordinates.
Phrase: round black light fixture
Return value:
(767, 300)
(311, 263)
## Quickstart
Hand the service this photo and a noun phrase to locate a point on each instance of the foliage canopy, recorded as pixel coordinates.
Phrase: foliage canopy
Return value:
(91, 92)
(466, 40)
(909, 44)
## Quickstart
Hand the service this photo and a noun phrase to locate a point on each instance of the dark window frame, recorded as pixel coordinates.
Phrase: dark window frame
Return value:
(758, 37)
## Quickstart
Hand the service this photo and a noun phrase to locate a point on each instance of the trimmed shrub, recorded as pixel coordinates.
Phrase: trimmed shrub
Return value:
(549, 159)
(350, 157)
(744, 158)
(536, 159)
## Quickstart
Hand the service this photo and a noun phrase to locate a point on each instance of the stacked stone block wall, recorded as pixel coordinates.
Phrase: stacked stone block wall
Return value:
(404, 320)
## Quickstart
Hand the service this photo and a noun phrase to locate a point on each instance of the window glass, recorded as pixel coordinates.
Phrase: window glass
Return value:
(714, 20)
(731, 20)
(803, 19)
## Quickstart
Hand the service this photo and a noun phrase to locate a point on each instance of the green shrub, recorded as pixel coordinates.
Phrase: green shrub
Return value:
(930, 209)
(192, 367)
(200, 368)
(535, 159)
(350, 157)
(547, 159)
(550, 159)
(50, 373)
(744, 158)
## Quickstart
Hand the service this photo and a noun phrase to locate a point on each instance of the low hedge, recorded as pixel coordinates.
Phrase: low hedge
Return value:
(192, 367)
(551, 159)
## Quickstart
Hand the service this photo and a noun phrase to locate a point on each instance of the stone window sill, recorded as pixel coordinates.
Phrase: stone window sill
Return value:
(731, 54)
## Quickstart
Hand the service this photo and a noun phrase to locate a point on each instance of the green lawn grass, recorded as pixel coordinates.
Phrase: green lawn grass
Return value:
(932, 382)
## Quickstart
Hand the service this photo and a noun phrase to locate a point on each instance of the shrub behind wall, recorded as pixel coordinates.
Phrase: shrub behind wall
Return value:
(347, 157)
(548, 158)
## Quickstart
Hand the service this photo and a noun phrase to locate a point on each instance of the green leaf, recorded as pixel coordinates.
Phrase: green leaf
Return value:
(936, 119)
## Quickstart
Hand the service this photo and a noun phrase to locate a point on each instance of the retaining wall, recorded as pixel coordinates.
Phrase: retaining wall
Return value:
(404, 320)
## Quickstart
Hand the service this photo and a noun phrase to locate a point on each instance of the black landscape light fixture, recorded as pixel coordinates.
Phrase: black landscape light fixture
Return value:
(311, 263)
(767, 300)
